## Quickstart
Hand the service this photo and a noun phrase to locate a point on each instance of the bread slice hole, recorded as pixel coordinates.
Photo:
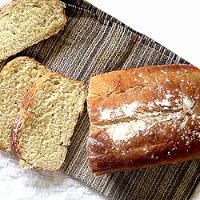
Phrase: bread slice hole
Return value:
(36, 68)
(63, 145)
(56, 82)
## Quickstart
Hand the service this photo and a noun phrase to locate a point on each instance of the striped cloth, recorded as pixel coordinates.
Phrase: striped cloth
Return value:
(93, 43)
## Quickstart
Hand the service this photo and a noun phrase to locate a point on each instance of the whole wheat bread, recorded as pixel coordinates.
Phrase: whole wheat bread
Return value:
(15, 79)
(49, 112)
(27, 22)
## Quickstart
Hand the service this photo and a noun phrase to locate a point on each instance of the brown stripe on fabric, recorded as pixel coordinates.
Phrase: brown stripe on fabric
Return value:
(90, 53)
(177, 175)
(93, 43)
(164, 190)
(156, 177)
(181, 192)
(103, 56)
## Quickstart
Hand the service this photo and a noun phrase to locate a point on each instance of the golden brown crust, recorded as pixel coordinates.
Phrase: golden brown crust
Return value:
(1, 147)
(123, 86)
(164, 99)
(21, 117)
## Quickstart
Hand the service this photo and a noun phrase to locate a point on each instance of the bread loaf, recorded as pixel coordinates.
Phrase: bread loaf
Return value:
(49, 112)
(144, 117)
(15, 79)
(27, 22)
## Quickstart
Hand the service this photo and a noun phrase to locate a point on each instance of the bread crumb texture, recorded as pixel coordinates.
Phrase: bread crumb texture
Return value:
(15, 79)
(26, 22)
(51, 118)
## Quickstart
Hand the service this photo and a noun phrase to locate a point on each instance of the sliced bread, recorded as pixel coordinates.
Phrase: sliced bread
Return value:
(49, 112)
(27, 22)
(15, 79)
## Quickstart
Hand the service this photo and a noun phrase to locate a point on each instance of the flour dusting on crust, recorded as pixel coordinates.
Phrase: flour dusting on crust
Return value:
(125, 110)
(145, 121)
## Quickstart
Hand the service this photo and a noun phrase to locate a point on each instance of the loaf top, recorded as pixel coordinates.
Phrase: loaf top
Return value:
(157, 88)
(45, 123)
(144, 117)
(27, 22)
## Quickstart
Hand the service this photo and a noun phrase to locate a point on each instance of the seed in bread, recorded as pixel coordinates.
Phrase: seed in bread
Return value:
(15, 79)
(46, 121)
(144, 117)
(27, 22)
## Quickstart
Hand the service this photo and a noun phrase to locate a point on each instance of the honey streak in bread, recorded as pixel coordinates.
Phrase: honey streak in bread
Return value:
(143, 117)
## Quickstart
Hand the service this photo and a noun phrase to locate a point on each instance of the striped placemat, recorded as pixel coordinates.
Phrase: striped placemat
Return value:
(92, 43)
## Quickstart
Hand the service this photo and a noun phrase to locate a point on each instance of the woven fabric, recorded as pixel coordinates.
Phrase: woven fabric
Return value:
(93, 43)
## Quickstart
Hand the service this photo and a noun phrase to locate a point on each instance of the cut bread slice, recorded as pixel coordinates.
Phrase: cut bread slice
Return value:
(15, 79)
(27, 22)
(45, 124)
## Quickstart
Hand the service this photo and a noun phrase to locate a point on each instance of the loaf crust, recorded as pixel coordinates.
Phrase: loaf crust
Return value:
(143, 117)
(20, 118)
(17, 126)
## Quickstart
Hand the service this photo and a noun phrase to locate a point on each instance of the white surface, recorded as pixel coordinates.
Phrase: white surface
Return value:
(170, 23)
(196, 194)
(19, 184)
(173, 23)
(4, 2)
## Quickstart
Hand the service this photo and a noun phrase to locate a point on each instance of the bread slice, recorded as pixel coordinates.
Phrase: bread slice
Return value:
(27, 22)
(46, 121)
(144, 117)
(15, 79)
